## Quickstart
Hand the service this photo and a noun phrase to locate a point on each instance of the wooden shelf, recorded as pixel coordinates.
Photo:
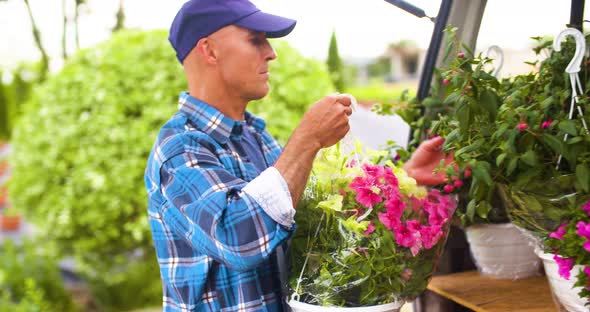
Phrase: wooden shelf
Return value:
(485, 294)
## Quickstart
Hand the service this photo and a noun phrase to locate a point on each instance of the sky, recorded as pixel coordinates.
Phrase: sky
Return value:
(364, 27)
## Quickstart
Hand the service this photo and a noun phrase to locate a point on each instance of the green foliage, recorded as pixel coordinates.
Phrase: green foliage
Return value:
(334, 62)
(385, 95)
(510, 133)
(14, 93)
(380, 68)
(80, 152)
(42, 290)
(33, 300)
(344, 261)
(296, 83)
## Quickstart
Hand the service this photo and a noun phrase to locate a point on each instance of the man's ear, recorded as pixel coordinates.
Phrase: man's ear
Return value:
(206, 49)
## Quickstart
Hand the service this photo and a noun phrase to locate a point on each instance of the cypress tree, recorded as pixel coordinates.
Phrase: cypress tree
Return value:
(335, 64)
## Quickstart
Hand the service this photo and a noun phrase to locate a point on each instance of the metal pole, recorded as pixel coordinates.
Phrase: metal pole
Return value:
(577, 14)
(433, 49)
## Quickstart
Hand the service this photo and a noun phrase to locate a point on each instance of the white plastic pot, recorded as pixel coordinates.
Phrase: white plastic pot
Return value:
(562, 289)
(502, 251)
(297, 306)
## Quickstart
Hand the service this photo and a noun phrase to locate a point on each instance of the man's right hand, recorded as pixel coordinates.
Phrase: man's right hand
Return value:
(323, 125)
(326, 121)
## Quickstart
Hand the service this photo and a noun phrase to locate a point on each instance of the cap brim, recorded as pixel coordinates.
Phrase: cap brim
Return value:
(274, 26)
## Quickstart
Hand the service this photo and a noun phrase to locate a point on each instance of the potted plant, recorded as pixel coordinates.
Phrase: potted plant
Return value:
(567, 260)
(10, 219)
(368, 236)
(464, 109)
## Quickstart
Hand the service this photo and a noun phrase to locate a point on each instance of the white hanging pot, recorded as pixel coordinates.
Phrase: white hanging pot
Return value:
(297, 306)
(563, 290)
(502, 251)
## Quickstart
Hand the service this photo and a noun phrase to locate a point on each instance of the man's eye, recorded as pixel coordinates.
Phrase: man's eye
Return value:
(256, 41)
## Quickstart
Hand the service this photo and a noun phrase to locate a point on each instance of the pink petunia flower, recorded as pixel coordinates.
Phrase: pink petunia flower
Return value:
(365, 192)
(583, 229)
(373, 171)
(564, 265)
(409, 236)
(546, 124)
(559, 233)
(370, 229)
(430, 235)
(437, 215)
(388, 220)
(586, 208)
(395, 206)
(587, 271)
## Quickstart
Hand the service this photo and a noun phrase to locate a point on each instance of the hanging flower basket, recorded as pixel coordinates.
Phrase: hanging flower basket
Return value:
(368, 237)
(502, 251)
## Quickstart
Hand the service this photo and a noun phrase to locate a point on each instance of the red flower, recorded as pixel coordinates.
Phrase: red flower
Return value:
(449, 188)
(446, 81)
(467, 173)
(460, 55)
(458, 183)
(522, 126)
(546, 124)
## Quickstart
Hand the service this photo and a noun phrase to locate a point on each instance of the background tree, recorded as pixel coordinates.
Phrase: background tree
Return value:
(120, 17)
(38, 42)
(64, 41)
(335, 64)
(79, 4)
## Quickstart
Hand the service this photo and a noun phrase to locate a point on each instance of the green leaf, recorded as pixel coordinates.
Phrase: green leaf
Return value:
(464, 116)
(485, 76)
(468, 148)
(575, 140)
(500, 159)
(334, 202)
(431, 102)
(483, 209)
(529, 158)
(489, 100)
(568, 126)
(532, 202)
(512, 165)
(470, 212)
(554, 143)
(481, 171)
(547, 102)
(583, 176)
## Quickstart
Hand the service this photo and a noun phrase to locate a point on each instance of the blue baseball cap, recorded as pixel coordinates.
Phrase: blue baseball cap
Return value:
(200, 18)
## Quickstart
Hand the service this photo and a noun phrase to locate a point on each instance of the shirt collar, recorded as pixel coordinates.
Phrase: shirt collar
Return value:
(211, 121)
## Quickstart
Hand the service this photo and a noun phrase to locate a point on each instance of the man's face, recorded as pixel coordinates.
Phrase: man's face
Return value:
(243, 57)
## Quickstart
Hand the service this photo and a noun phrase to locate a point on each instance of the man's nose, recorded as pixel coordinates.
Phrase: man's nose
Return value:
(270, 53)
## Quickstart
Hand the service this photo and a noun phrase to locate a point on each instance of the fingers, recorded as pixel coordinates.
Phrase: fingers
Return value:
(433, 145)
(343, 99)
(431, 179)
(348, 110)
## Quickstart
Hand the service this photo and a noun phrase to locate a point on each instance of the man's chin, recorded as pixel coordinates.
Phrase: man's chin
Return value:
(259, 94)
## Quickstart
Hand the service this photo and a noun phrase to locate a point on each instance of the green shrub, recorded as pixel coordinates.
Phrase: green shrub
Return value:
(80, 151)
(30, 280)
(380, 93)
(296, 83)
(14, 93)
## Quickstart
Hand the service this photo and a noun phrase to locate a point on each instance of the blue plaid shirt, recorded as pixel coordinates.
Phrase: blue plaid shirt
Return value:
(214, 241)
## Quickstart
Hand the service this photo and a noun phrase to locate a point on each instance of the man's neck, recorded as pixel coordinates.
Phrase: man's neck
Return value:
(231, 106)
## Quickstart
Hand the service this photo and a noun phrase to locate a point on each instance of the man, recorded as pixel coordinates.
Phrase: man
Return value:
(221, 191)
